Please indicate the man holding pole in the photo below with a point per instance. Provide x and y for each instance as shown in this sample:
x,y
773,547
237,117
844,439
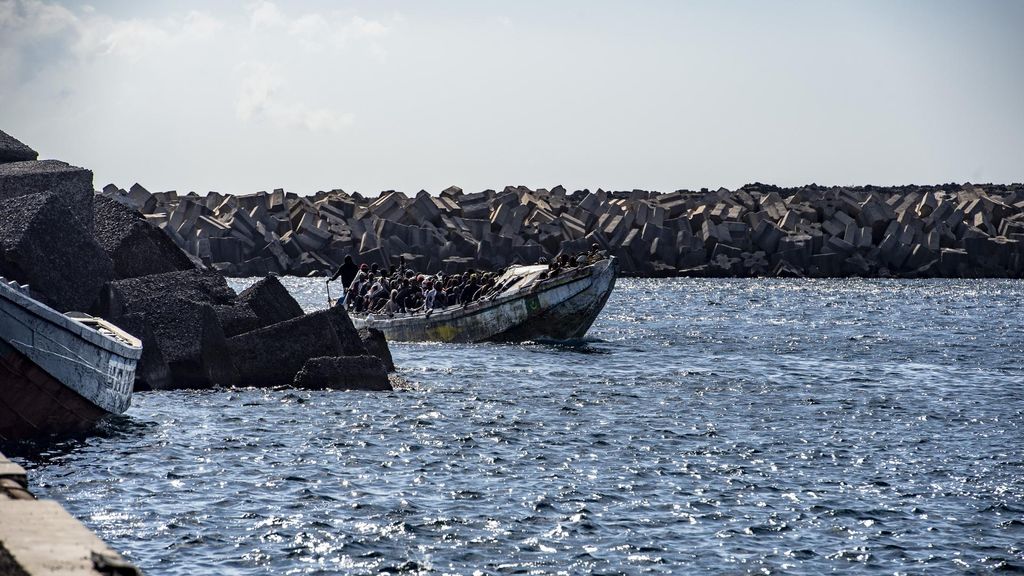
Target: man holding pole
x,y
347,271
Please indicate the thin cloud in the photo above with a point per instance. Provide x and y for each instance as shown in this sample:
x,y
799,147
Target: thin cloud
x,y
317,31
50,41
265,16
259,100
35,35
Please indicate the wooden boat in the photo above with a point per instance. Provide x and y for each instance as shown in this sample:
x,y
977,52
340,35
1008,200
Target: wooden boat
x,y
529,307
59,373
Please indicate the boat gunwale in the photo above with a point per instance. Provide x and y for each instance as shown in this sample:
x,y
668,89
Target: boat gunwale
x,y
72,326
454,312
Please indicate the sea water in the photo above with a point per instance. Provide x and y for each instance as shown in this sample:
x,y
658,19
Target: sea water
x,y
706,426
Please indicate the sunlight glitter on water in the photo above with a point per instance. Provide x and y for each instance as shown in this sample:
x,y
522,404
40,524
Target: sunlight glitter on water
x,y
705,426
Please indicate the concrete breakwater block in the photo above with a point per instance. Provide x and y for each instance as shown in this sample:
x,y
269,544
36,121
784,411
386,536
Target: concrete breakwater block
x,y
121,297
343,373
175,313
13,150
136,247
265,303
151,371
270,301
43,245
72,185
191,341
377,345
272,356
874,229
237,319
39,537
350,339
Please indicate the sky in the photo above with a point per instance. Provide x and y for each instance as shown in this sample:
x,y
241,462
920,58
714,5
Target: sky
x,y
660,95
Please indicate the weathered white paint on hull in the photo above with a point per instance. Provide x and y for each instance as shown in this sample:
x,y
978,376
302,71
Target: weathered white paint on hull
x,y
88,356
561,308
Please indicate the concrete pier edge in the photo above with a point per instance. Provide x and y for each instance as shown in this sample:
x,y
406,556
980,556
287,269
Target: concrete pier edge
x,y
39,537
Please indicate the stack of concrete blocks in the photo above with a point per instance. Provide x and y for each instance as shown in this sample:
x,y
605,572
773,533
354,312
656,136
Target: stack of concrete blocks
x,y
79,251
197,333
46,228
949,230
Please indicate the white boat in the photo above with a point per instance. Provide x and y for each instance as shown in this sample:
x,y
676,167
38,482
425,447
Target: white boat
x,y
561,307
59,373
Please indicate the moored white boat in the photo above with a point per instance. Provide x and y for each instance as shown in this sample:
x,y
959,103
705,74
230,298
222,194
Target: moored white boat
x,y
561,307
59,373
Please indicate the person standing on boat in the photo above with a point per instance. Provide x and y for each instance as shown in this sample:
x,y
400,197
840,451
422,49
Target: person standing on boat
x,y
430,296
347,271
469,290
377,294
352,293
392,306
357,289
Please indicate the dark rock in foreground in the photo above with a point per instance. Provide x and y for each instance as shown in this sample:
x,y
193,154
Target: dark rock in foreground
x,y
12,150
178,309
377,345
42,245
137,247
121,296
270,301
272,356
151,371
343,373
263,304
191,341
237,319
72,185
351,342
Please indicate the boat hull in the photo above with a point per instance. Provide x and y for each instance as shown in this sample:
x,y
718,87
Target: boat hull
x,y
59,373
33,403
563,308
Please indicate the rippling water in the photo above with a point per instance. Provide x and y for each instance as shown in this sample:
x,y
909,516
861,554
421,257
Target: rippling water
x,y
709,426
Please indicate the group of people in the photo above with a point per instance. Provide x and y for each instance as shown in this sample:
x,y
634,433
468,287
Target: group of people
x,y
369,288
403,290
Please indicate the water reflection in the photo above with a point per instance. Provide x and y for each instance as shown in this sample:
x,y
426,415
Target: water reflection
x,y
707,426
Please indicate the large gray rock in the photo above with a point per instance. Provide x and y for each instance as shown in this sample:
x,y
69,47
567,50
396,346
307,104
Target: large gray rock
x,y
12,150
343,373
41,244
179,308
71,184
272,356
151,371
136,247
121,296
270,301
190,339
351,343
377,345
263,304
237,319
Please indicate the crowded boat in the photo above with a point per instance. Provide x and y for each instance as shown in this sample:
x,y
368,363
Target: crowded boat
x,y
369,289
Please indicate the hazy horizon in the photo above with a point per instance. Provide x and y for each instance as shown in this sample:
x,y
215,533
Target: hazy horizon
x,y
660,95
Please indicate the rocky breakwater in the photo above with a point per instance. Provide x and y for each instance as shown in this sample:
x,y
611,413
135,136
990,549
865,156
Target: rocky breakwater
x,y
949,230
86,252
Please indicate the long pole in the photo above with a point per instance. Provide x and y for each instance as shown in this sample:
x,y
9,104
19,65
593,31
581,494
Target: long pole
x,y
329,303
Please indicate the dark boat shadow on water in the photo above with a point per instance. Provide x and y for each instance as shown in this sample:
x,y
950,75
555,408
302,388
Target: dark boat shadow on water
x,y
575,345
46,449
